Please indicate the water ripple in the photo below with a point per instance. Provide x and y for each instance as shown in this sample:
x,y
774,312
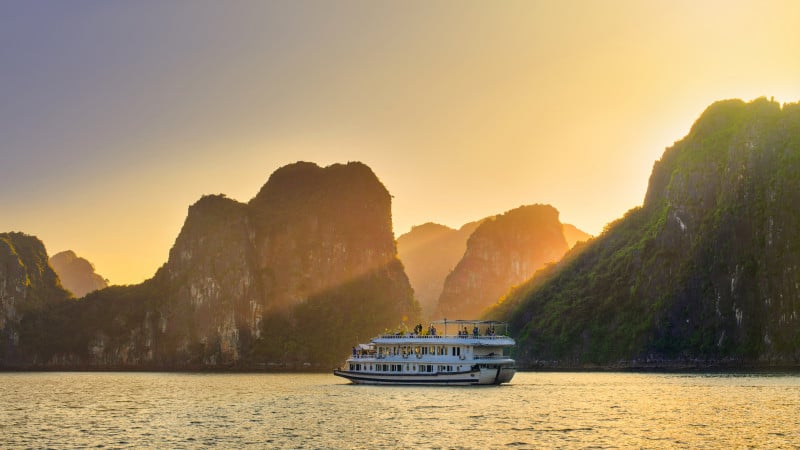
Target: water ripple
x,y
152,410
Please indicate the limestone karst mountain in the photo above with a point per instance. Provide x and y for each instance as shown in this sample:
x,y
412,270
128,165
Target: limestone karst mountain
x,y
503,251
429,252
28,286
288,280
706,272
77,274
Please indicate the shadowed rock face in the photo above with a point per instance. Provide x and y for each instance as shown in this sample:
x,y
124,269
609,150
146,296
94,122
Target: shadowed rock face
x,y
76,274
290,279
503,251
707,271
28,286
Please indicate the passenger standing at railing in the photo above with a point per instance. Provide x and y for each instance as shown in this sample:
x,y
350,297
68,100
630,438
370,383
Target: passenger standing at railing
x,y
475,331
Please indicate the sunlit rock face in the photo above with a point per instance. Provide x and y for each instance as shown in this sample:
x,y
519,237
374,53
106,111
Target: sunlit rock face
x,y
429,253
503,251
288,280
27,286
77,274
316,228
707,271
309,232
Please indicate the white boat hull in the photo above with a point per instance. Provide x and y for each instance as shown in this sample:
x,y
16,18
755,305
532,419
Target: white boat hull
x,y
482,376
434,359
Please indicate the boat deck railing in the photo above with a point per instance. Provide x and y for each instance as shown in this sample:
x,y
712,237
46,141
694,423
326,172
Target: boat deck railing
x,y
490,357
439,336
384,356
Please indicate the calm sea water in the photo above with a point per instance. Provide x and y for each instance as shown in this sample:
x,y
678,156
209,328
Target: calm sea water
x,y
537,410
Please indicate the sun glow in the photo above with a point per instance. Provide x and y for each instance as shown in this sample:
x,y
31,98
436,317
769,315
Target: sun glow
x,y
128,114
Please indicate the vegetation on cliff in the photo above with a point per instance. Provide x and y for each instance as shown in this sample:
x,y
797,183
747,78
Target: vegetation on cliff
x,y
706,271
28,287
290,280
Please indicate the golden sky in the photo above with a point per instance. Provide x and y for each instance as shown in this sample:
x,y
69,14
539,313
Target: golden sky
x,y
116,116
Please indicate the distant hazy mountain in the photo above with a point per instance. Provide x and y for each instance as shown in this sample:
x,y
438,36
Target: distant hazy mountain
x,y
291,279
429,252
706,272
503,251
77,274
573,235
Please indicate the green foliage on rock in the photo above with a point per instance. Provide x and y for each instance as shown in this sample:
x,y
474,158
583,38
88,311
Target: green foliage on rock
x,y
707,271
28,287
290,280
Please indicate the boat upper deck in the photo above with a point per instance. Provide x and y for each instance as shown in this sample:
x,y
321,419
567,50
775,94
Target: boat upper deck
x,y
455,332
498,341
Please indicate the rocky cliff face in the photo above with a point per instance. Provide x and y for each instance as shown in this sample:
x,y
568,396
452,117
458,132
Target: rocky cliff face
x,y
429,253
290,279
27,286
503,251
705,272
77,274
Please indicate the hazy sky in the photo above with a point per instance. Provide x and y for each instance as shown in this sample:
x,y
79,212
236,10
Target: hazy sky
x,y
116,116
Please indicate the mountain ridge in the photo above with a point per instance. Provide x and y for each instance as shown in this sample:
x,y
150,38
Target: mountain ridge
x,y
285,281
504,250
705,273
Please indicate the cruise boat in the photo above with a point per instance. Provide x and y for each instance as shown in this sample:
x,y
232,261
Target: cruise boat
x,y
449,352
